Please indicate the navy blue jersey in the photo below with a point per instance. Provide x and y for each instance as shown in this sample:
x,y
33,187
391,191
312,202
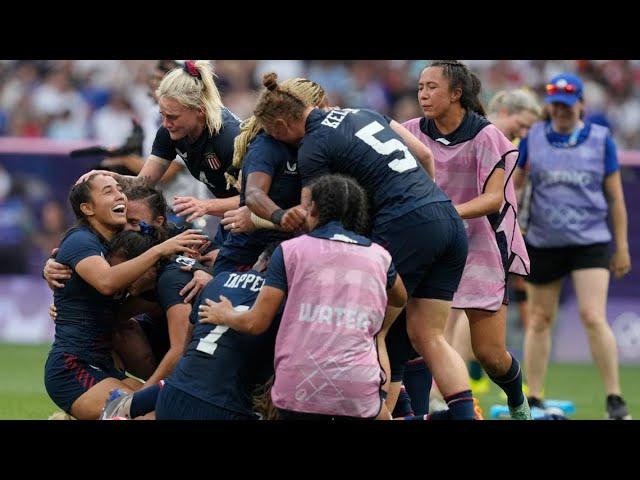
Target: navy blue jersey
x,y
171,280
85,316
360,143
222,366
278,160
208,157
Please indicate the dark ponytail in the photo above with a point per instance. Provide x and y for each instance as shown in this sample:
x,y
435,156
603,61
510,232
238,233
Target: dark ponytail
x,y
79,194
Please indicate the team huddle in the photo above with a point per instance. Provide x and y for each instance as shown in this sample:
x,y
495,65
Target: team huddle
x,y
348,243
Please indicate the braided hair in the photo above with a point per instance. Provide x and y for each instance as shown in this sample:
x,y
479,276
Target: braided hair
x,y
341,198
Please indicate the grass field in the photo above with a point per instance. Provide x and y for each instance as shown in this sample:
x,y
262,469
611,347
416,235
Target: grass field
x,y
23,396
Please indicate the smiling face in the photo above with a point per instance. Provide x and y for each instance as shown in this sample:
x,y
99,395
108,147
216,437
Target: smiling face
x,y
107,204
434,95
565,117
179,120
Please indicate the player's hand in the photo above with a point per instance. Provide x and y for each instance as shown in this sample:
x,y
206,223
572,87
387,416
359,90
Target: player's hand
x,y
197,283
215,312
208,259
53,312
294,219
620,263
191,206
84,177
238,220
187,242
55,273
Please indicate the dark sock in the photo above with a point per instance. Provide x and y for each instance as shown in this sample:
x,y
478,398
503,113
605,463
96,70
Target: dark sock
x,y
461,405
511,383
440,415
418,380
417,417
144,401
535,402
403,405
475,370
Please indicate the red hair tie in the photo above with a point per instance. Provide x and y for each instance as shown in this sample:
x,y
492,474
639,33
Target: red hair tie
x,y
190,68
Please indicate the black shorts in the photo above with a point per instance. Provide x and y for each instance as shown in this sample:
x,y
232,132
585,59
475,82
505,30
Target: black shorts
x,y
550,264
429,249
67,377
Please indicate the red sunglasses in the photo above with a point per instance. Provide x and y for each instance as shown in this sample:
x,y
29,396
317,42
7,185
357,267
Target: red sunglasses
x,y
553,89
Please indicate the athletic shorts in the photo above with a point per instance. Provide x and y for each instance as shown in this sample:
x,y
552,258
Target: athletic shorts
x,y
67,377
175,404
550,264
429,249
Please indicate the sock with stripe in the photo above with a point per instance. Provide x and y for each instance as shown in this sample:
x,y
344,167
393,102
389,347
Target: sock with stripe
x,y
511,383
461,405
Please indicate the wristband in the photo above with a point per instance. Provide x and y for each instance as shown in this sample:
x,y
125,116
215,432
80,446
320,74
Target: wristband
x,y
276,217
261,223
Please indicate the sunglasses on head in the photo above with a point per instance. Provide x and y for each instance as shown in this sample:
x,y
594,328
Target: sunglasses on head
x,y
553,89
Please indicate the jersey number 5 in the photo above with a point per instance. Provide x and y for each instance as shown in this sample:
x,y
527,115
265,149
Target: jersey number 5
x,y
407,162
209,344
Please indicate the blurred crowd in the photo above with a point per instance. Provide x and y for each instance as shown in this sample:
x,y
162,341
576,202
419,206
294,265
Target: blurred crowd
x,y
97,99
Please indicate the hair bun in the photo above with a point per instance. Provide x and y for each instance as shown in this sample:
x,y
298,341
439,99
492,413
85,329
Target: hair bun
x,y
270,81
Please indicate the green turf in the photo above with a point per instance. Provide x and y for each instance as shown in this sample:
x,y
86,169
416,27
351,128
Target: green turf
x,y
23,396
581,384
22,392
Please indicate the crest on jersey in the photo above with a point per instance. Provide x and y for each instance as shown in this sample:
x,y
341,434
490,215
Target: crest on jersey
x,y
186,261
292,168
213,161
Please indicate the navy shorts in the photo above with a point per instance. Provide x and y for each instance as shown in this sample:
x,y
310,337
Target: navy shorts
x,y
175,404
226,264
67,377
429,249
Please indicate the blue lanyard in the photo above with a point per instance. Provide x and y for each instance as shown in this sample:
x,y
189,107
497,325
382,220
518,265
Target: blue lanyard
x,y
573,138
